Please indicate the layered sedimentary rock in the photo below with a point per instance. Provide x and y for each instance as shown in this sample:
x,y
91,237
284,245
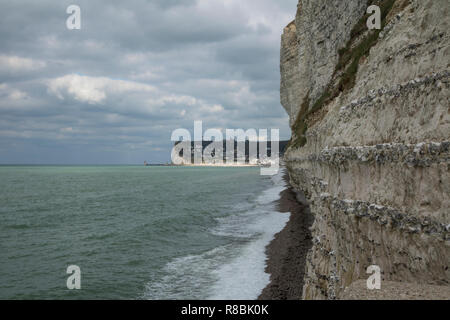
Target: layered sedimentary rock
x,y
309,49
374,151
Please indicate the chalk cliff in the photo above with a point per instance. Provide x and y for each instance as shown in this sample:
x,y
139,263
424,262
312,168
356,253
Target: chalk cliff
x,y
370,148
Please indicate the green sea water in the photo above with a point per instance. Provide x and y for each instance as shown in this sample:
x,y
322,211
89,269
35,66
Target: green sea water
x,y
135,232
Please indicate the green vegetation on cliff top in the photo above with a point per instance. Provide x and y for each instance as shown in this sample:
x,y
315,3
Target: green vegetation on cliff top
x,y
348,63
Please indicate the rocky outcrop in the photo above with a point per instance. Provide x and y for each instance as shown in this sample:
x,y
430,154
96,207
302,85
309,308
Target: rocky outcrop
x,y
374,157
291,89
309,49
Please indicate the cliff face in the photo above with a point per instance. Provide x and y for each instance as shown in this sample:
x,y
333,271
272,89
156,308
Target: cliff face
x,y
370,116
309,50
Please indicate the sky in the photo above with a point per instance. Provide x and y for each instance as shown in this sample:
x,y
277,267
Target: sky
x,y
113,91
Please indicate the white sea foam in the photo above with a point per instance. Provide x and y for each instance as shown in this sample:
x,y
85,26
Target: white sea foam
x,y
270,195
188,277
273,194
244,277
234,271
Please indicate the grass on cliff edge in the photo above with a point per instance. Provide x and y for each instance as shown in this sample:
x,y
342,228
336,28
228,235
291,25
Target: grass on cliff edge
x,y
349,58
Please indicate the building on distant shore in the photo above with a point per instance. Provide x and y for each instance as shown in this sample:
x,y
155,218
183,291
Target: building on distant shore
x,y
261,158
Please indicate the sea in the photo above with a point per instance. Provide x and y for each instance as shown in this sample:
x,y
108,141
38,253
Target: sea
x,y
136,232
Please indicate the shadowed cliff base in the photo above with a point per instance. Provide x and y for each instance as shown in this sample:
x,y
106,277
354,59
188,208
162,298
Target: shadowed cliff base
x,y
288,251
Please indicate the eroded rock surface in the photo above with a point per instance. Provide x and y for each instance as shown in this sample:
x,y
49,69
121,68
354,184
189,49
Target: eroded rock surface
x,y
376,163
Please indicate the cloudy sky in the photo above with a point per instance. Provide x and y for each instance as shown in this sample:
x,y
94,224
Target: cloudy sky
x,y
113,92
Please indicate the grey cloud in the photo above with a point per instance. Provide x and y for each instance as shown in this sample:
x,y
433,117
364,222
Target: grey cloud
x,y
215,61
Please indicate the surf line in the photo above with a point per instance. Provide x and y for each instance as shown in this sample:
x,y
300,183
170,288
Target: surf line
x,y
193,310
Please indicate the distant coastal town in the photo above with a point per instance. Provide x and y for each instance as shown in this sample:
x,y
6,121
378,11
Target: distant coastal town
x,y
242,156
